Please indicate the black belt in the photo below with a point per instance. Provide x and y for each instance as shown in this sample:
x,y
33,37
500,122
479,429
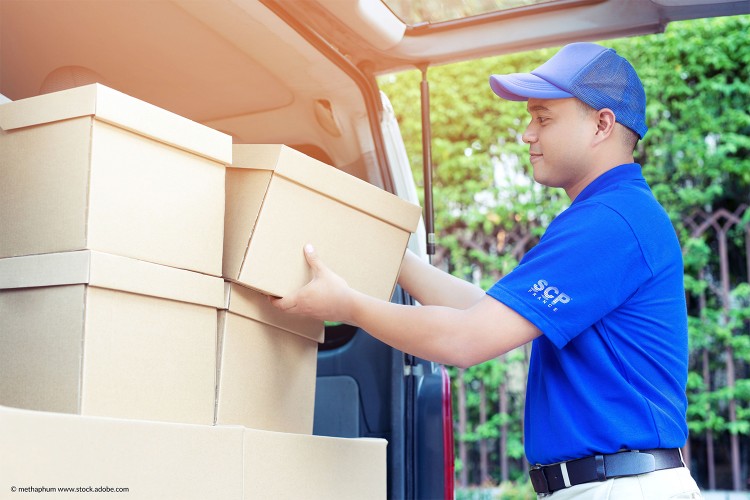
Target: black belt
x,y
549,478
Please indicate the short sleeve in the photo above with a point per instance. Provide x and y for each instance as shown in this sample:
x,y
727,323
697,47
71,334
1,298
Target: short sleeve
x,y
587,263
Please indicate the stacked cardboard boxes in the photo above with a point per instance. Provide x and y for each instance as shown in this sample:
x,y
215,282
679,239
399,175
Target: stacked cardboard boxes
x,y
110,261
133,334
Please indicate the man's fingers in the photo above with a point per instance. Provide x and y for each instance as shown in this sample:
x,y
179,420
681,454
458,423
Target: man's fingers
x,y
283,303
312,258
290,302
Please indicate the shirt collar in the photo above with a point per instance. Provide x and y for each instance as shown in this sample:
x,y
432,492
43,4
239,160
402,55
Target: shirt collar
x,y
625,172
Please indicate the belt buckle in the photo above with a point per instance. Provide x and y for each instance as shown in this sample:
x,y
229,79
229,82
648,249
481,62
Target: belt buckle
x,y
629,463
538,479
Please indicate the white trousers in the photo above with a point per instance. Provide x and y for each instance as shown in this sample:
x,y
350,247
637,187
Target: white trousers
x,y
664,484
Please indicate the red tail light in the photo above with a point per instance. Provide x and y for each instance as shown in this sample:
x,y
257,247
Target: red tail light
x,y
448,454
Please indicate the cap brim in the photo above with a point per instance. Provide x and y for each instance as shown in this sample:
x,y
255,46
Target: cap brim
x,y
522,86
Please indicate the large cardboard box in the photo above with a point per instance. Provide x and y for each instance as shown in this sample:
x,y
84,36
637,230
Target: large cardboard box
x,y
279,199
155,460
98,334
267,364
131,459
92,168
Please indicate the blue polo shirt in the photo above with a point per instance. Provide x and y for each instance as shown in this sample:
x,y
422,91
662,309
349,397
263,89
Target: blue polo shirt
x,y
605,287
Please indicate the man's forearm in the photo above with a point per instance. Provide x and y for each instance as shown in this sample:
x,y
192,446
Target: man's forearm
x,y
416,330
458,337
431,286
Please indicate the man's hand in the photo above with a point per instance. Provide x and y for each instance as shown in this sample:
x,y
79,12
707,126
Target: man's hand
x,y
326,297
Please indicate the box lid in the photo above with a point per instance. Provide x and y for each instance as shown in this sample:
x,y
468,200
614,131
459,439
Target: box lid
x,y
254,305
329,181
114,272
122,110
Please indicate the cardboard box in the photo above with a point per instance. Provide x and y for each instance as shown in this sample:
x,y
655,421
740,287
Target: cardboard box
x,y
92,168
279,199
155,460
98,334
267,364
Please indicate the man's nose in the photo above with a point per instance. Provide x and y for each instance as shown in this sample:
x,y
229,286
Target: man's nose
x,y
529,135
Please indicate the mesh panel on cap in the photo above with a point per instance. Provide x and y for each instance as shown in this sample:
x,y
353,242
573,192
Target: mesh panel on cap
x,y
610,82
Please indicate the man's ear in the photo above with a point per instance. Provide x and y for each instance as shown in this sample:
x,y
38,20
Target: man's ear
x,y
605,123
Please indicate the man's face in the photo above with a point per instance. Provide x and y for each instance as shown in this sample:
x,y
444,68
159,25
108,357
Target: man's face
x,y
559,138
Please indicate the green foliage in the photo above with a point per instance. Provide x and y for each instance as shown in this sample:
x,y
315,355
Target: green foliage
x,y
516,490
698,85
475,494
696,157
520,490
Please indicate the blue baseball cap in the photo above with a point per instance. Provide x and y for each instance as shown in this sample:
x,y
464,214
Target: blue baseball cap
x,y
589,72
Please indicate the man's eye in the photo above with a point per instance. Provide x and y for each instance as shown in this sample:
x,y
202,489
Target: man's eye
x,y
541,119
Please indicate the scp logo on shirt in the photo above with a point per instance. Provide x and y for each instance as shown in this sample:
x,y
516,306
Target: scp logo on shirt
x,y
551,296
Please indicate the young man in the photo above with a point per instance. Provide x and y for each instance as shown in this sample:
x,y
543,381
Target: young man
x,y
601,296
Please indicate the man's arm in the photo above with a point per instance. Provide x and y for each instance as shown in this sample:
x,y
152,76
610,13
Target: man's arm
x,y
431,286
454,336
